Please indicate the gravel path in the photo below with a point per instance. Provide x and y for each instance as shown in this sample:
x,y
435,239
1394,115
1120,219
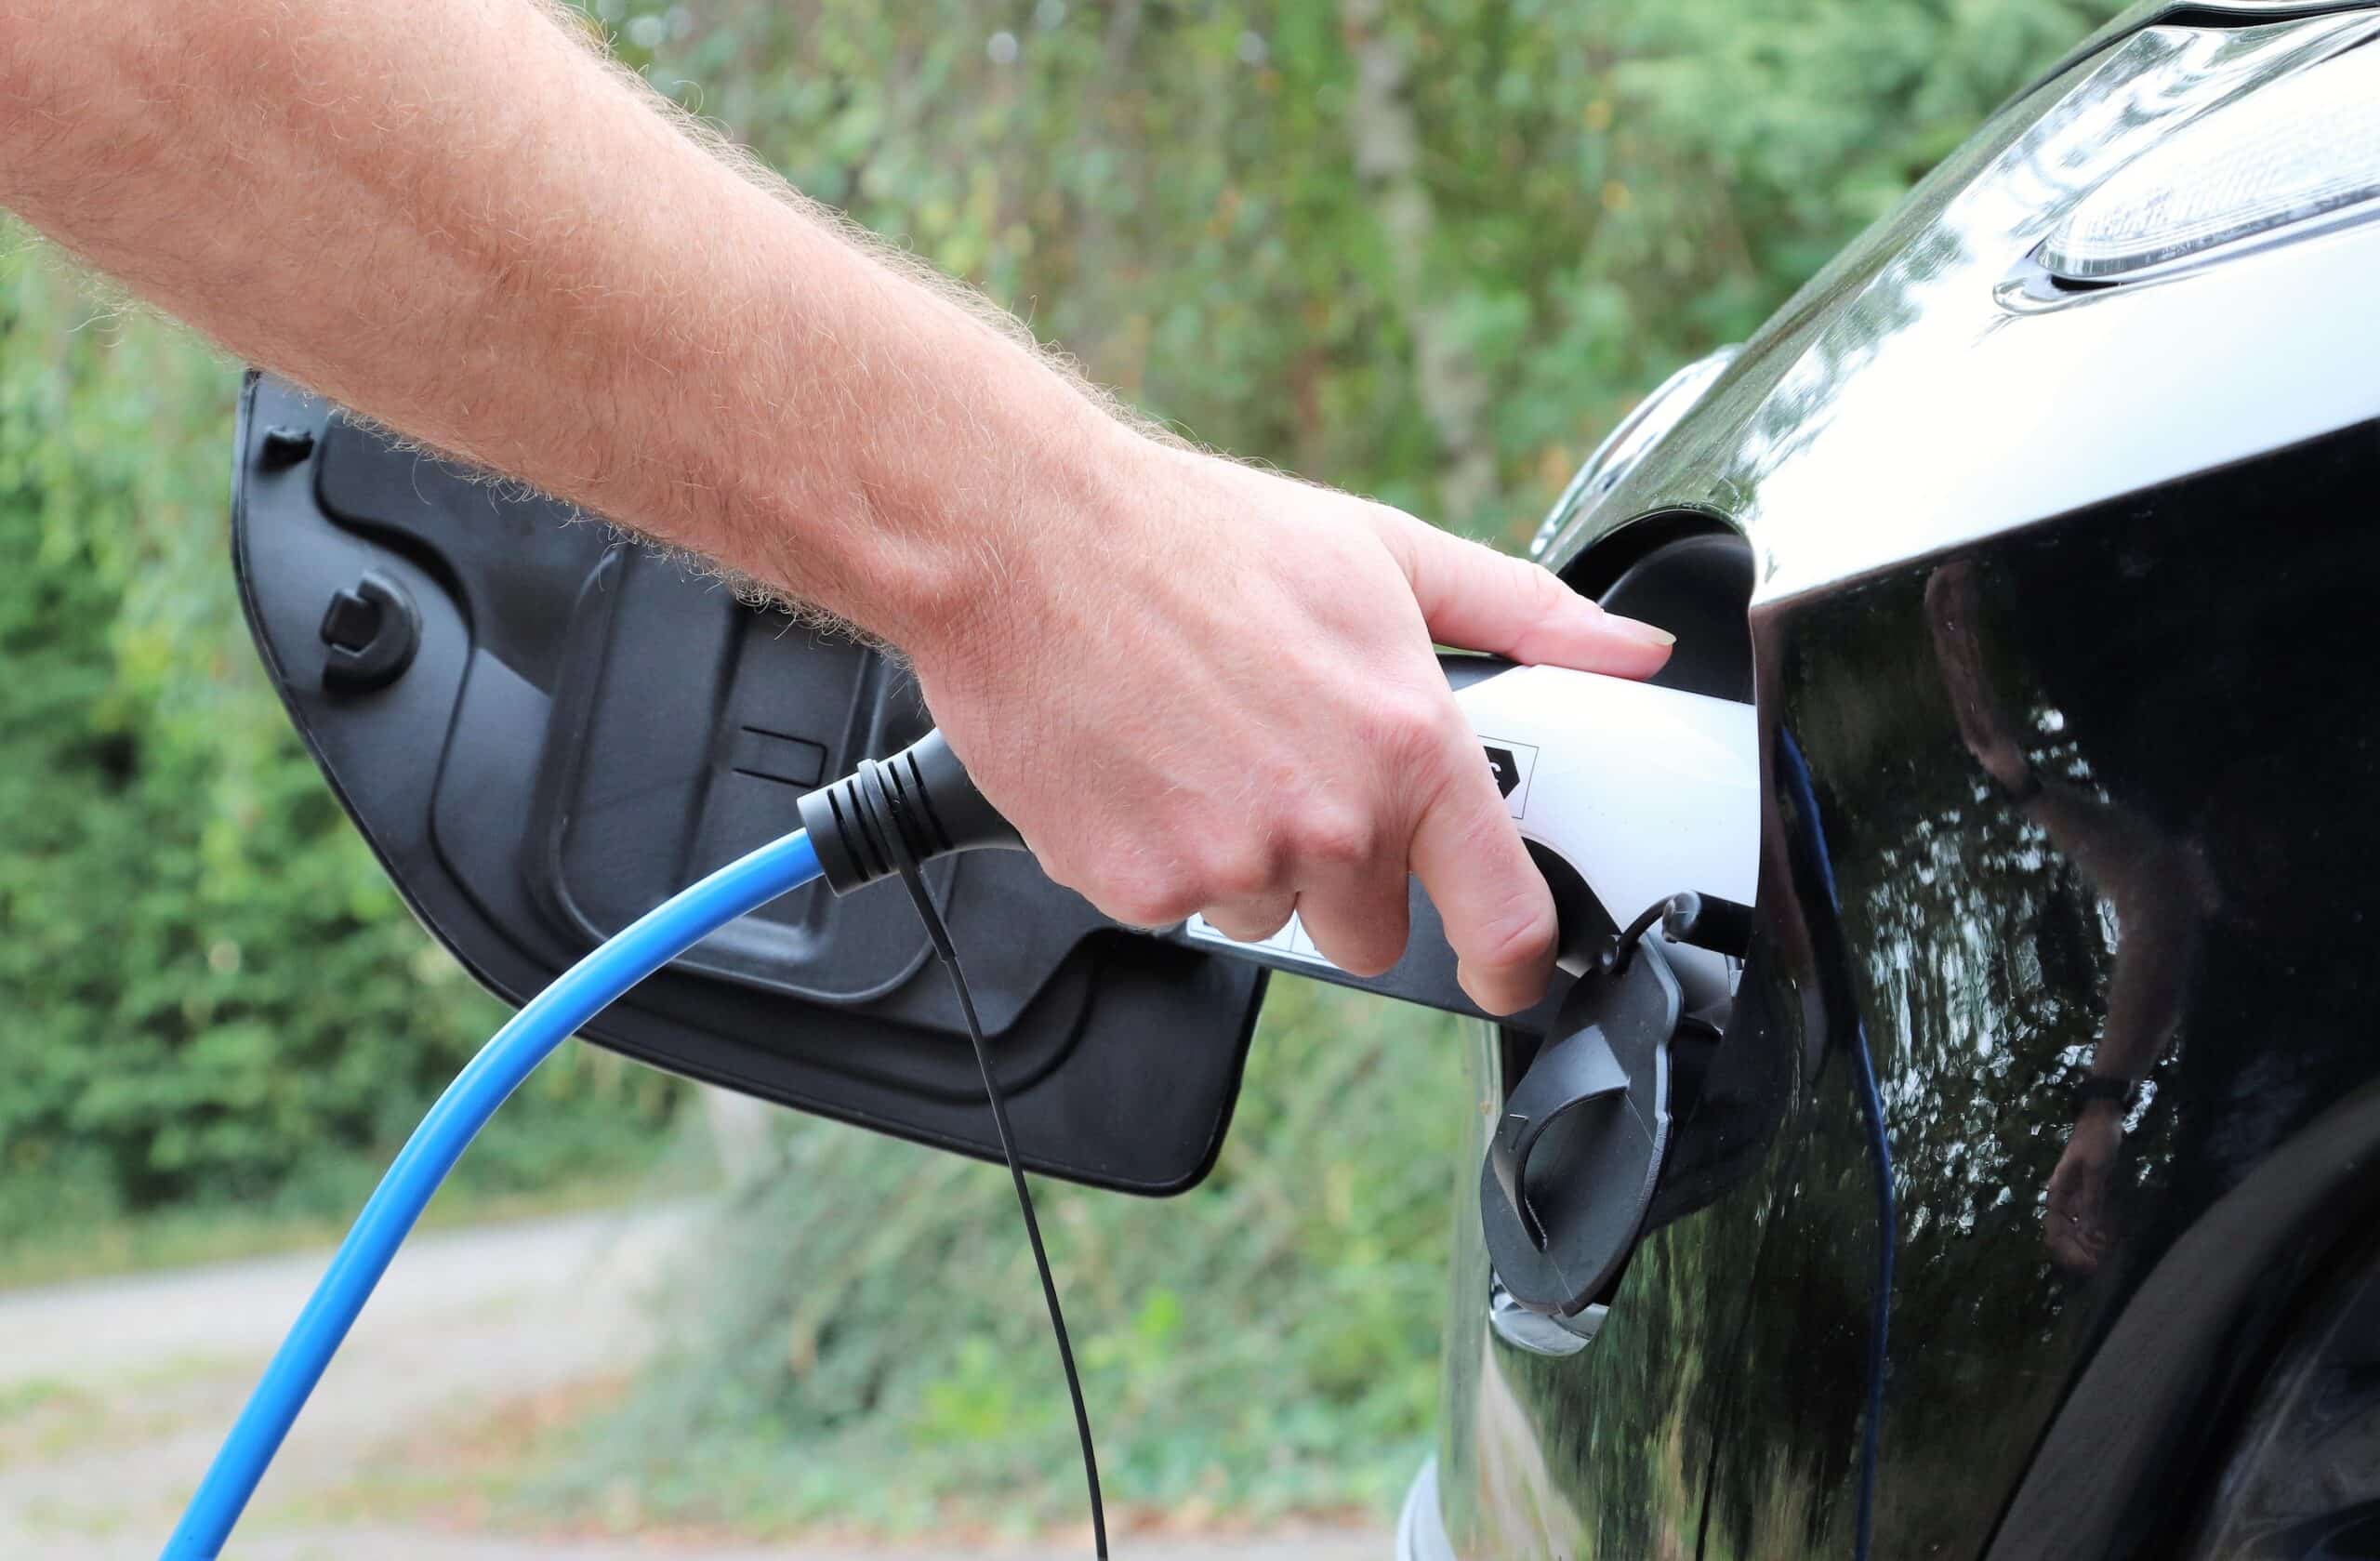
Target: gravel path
x,y
113,1394
384,1546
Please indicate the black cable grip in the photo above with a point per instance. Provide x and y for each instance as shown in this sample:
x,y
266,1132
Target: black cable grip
x,y
918,805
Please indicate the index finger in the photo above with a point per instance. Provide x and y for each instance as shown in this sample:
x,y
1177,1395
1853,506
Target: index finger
x,y
1478,599
1498,912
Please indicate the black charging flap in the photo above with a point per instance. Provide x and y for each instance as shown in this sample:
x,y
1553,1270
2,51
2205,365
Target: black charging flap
x,y
543,732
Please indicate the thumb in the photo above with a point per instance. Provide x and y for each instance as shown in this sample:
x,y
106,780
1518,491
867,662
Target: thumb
x,y
1477,599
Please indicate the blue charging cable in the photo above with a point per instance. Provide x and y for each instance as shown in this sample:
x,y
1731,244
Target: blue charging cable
x,y
582,992
1794,772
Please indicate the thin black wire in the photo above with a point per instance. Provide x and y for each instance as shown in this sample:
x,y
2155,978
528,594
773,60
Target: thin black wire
x,y
1625,948
940,934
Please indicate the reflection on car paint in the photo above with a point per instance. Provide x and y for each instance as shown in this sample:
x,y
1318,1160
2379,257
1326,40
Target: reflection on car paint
x,y
2084,693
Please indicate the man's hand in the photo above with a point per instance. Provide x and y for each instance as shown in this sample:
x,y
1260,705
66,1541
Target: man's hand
x,y
2076,1225
1217,694
1190,684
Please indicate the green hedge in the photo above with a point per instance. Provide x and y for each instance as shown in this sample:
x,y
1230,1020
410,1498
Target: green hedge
x,y
212,995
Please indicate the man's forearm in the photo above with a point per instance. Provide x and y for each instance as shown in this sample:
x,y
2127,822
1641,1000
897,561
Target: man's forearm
x,y
453,216
470,227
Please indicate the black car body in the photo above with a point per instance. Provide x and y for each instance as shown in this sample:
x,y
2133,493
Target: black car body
x,y
2059,602
2049,567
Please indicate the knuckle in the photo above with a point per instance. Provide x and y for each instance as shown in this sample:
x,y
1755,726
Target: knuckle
x,y
1407,727
1145,901
1063,869
1238,872
1514,939
1336,837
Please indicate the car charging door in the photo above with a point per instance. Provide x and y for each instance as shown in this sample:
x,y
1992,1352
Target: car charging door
x,y
543,729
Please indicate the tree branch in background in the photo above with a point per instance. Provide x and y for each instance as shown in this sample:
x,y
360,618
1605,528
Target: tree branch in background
x,y
1388,159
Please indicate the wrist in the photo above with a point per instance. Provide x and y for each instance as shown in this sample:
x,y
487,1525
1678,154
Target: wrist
x,y
2104,1095
1003,550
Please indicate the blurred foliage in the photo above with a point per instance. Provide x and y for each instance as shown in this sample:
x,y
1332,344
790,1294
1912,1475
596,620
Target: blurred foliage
x,y
1208,204
213,997
1430,250
871,1342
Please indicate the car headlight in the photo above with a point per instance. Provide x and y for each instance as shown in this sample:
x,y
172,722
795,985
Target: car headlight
x,y
2293,157
1626,445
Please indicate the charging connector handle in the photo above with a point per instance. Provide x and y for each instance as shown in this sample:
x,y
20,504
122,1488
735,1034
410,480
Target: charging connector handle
x,y
923,798
919,805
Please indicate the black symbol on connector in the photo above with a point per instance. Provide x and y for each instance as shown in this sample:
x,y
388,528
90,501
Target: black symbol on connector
x,y
1507,768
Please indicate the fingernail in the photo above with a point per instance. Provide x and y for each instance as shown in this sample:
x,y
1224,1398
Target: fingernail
x,y
1643,633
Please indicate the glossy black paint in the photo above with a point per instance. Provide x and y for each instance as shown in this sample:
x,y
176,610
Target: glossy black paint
x,y
2190,883
2067,610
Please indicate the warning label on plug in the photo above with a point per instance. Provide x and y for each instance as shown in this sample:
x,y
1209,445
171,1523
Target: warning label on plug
x,y
1514,764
